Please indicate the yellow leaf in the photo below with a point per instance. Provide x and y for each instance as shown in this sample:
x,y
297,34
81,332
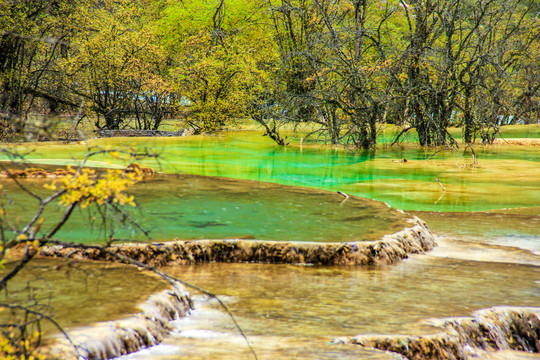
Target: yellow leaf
x,y
51,186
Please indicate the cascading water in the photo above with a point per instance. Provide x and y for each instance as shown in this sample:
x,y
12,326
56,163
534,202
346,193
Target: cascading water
x,y
106,340
292,311
466,338
487,259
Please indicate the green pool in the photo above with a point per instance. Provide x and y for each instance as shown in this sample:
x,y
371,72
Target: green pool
x,y
503,178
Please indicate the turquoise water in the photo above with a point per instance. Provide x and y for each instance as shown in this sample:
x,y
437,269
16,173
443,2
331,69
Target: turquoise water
x,y
484,259
512,173
198,207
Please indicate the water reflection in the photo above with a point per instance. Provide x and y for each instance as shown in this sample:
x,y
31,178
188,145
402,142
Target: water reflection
x,y
292,312
511,173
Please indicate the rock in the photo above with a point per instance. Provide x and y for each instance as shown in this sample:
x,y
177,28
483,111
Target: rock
x,y
141,133
115,338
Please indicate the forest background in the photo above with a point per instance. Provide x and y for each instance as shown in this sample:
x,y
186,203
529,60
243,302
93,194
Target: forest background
x,y
345,67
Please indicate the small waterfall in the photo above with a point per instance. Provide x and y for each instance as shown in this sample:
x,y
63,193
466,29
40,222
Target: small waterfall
x,y
488,330
119,337
499,328
388,250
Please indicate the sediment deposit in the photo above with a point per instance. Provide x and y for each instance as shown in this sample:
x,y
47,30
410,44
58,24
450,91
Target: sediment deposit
x,y
388,250
488,330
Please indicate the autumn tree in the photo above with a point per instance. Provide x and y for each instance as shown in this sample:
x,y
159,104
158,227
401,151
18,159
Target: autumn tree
x,y
221,58
106,191
458,60
34,36
335,66
498,86
118,66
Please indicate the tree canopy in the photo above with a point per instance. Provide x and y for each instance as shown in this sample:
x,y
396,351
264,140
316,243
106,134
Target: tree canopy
x,y
344,66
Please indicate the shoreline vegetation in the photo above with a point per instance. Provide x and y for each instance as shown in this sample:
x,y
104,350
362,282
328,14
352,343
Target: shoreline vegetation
x,y
66,129
342,67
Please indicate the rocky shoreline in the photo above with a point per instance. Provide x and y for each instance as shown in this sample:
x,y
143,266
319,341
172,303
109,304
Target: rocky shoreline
x,y
487,331
114,338
388,250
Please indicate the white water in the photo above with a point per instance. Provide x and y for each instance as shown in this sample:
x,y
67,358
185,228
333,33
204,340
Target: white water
x,y
295,312
209,334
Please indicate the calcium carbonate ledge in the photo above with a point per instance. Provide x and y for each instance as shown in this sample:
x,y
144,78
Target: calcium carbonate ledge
x,y
390,249
110,339
488,331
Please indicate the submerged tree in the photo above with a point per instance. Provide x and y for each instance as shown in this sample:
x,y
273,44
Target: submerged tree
x,y
344,67
350,65
334,66
457,63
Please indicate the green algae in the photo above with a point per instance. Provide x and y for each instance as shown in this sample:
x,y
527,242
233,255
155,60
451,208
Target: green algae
x,y
292,303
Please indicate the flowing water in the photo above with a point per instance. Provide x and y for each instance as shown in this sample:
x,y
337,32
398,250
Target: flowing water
x,y
78,293
295,311
484,258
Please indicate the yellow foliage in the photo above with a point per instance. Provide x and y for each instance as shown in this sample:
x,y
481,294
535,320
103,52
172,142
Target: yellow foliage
x,y
51,186
14,349
35,245
85,188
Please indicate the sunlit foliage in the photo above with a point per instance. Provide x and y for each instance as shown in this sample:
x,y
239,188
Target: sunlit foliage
x,y
222,58
343,66
85,188
13,347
